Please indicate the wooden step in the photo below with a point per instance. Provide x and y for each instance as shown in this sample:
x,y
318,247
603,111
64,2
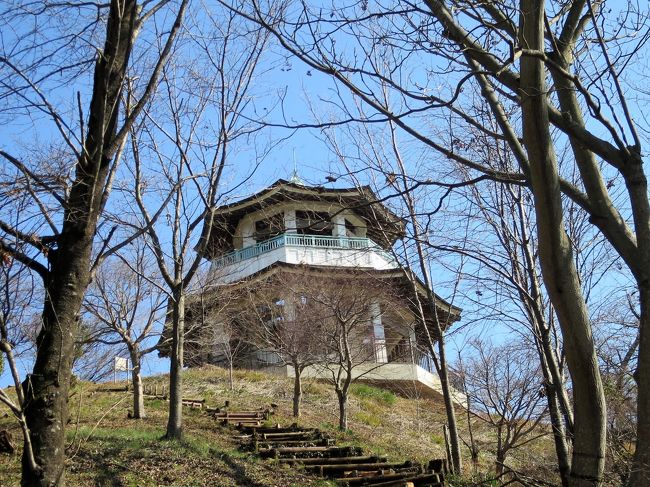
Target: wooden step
x,y
424,480
312,442
239,415
288,434
333,460
310,451
399,478
238,423
350,467
276,429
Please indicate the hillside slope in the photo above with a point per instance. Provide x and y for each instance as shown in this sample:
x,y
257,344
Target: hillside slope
x,y
107,448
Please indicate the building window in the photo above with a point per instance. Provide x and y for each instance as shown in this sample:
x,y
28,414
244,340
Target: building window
x,y
313,223
350,229
269,228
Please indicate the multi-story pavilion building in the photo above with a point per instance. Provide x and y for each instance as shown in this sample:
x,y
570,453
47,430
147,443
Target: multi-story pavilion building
x,y
303,241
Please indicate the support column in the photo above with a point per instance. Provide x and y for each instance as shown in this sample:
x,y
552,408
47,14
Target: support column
x,y
338,226
290,221
247,232
378,331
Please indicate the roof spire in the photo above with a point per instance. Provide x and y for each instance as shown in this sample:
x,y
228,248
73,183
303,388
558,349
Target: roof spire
x,y
295,178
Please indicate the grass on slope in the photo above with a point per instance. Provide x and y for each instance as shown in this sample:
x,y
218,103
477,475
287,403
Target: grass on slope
x,y
106,448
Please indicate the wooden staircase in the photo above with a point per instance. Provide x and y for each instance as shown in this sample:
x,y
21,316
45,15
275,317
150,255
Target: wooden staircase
x,y
314,451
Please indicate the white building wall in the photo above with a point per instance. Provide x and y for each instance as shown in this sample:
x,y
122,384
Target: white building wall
x,y
362,258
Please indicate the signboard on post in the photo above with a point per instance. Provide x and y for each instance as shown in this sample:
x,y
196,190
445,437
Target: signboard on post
x,y
121,364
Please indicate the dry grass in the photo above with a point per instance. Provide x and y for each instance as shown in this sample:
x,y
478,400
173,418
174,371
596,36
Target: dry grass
x,y
107,448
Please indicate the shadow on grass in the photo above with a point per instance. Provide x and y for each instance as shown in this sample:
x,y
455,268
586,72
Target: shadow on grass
x,y
112,457
239,473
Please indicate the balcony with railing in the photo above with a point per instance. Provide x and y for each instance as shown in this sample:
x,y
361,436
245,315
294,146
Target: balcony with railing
x,y
299,248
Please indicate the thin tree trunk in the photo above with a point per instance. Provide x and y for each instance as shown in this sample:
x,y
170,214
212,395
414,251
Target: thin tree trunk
x,y
297,390
449,405
441,365
541,330
556,257
637,186
640,475
138,396
559,433
500,462
175,420
343,410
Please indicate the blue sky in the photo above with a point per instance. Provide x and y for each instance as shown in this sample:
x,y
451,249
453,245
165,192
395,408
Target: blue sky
x,y
302,90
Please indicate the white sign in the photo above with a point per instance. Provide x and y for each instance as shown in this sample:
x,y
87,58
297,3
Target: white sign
x,y
121,364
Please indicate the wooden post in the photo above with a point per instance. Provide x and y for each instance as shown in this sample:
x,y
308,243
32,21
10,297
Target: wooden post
x,y
127,374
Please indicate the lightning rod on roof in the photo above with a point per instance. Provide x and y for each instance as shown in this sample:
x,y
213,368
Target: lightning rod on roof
x,y
294,176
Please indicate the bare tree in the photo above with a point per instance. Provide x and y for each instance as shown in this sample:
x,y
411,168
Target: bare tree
x,y
506,391
221,335
208,96
16,307
93,361
385,159
347,307
67,42
126,308
288,324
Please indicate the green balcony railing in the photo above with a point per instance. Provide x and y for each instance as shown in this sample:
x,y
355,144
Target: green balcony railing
x,y
299,240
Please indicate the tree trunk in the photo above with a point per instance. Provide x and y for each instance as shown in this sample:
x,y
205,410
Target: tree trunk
x,y
558,402
441,366
500,462
559,431
231,375
640,476
47,388
556,258
175,420
343,410
454,443
138,396
297,390
637,186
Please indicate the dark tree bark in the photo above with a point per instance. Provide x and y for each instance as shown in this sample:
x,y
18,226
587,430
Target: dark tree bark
x,y
47,388
343,409
297,389
175,419
69,252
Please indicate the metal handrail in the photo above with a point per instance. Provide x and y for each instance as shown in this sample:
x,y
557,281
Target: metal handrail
x,y
403,351
298,240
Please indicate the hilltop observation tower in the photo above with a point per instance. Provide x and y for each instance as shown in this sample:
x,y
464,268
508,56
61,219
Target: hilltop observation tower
x,y
275,252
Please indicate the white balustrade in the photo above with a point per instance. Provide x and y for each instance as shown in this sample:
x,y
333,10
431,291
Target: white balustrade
x,y
299,240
